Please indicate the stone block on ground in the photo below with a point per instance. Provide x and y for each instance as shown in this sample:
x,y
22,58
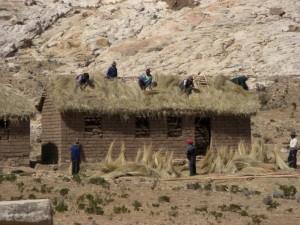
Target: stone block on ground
x,y
26,212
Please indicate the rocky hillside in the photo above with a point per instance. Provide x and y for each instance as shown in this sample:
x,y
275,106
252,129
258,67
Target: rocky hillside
x,y
209,37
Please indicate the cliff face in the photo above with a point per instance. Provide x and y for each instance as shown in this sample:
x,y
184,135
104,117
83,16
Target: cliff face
x,y
42,38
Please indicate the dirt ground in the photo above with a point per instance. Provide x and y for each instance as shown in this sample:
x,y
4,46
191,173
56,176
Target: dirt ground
x,y
201,199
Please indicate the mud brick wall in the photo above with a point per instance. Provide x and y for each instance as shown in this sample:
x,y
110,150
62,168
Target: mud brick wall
x,y
51,132
228,131
15,144
95,145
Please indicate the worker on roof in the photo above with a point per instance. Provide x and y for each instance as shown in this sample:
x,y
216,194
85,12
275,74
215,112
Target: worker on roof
x,y
187,85
241,80
112,71
191,156
83,80
145,80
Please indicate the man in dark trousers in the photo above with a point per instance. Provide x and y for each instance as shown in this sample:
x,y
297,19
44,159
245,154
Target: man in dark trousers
x,y
292,158
112,71
187,85
75,157
241,80
191,155
83,80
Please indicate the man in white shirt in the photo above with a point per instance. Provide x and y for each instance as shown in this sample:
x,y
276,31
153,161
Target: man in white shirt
x,y
292,159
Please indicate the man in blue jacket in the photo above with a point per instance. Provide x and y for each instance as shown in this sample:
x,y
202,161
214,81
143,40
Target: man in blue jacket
x,y
241,80
112,71
145,80
75,157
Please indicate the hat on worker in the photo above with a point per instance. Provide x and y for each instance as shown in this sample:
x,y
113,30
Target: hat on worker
x,y
190,141
293,133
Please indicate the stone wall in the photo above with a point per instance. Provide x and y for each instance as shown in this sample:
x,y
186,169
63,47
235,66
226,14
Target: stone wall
x,y
96,144
15,144
228,131
51,133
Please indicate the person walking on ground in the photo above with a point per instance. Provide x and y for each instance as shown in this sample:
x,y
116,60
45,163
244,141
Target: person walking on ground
x,y
83,80
191,155
187,85
292,158
112,71
75,157
145,80
241,80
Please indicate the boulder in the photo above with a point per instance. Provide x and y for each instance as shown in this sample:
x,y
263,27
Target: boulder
x,y
277,11
26,212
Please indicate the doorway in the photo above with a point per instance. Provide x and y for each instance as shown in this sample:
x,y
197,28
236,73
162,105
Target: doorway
x,y
202,135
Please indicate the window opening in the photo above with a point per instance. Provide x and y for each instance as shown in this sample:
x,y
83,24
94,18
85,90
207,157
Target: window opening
x,y
202,135
174,126
93,125
4,129
142,127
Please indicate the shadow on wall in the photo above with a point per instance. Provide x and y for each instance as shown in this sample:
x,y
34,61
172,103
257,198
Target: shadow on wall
x,y
49,153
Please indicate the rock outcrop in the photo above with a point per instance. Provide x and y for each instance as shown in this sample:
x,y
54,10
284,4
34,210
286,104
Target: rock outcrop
x,y
26,212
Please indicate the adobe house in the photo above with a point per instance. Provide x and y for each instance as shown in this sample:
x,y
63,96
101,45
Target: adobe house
x,y
164,117
15,113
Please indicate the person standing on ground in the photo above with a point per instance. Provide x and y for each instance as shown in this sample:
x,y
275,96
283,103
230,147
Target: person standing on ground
x,y
241,80
292,158
75,157
112,71
191,155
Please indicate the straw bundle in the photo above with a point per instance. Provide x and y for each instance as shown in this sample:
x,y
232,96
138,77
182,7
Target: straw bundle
x,y
256,160
147,163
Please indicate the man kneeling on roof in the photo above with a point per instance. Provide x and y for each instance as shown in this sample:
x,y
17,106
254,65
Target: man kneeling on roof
x,y
187,85
241,80
145,80
83,80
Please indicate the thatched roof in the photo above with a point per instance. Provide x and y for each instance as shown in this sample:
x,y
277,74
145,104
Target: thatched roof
x,y
14,105
114,97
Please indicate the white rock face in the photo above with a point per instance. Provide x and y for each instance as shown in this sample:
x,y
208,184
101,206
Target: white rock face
x,y
26,212
217,37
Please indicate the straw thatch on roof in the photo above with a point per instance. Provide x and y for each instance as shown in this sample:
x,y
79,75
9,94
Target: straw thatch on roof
x,y
112,97
14,105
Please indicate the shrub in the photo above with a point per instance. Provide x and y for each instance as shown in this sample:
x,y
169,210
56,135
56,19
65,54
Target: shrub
x,y
76,178
208,187
37,180
121,209
217,215
61,207
64,191
8,177
201,209
163,198
155,205
244,213
256,219
137,205
193,186
99,181
45,189
288,191
221,188
81,206
32,196
235,189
